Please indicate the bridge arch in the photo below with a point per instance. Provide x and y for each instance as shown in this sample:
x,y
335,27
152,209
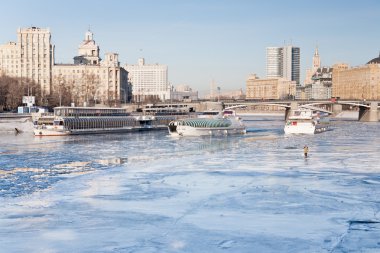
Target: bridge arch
x,y
368,111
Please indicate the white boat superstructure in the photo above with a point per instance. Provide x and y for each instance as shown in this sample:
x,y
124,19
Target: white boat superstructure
x,y
304,121
84,120
223,123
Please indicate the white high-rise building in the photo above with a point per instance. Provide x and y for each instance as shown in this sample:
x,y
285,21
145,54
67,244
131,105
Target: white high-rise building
x,y
274,62
283,62
291,63
37,56
148,81
31,57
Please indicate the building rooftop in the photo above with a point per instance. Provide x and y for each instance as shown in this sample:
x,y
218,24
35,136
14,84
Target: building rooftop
x,y
375,60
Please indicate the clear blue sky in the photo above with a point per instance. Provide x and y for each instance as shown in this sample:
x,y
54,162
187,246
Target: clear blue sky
x,y
202,40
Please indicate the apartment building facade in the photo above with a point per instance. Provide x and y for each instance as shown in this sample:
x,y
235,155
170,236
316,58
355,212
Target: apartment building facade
x,y
148,81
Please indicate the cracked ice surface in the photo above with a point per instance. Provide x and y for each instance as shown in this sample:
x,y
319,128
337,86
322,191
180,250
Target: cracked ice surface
x,y
152,193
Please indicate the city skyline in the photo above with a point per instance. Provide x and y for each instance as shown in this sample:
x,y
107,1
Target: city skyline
x,y
201,41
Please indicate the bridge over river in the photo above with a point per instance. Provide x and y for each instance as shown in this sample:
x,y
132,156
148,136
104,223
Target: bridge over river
x,y
369,111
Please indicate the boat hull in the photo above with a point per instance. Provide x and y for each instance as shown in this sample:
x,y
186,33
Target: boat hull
x,y
193,131
305,128
52,132
116,130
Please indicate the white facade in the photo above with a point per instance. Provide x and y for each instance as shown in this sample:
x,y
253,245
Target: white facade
x,y
92,80
321,85
291,63
274,62
317,90
89,78
148,80
183,93
92,84
88,51
10,59
272,88
283,62
31,57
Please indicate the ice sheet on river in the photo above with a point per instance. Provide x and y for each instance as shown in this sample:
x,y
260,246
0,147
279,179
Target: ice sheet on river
x,y
152,193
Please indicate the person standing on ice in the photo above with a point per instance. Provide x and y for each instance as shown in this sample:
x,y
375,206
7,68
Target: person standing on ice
x,y
305,150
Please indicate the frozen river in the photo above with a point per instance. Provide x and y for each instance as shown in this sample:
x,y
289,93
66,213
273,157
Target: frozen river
x,y
153,193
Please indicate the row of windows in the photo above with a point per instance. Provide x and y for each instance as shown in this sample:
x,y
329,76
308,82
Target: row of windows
x,y
8,52
9,61
22,61
83,71
77,71
34,48
15,55
22,66
33,55
76,76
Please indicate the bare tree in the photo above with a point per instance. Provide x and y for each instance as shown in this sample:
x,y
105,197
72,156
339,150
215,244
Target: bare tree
x,y
92,86
61,92
75,90
4,86
13,89
88,88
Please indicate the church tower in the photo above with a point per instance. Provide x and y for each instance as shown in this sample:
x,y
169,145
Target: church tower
x,y
316,60
316,65
88,51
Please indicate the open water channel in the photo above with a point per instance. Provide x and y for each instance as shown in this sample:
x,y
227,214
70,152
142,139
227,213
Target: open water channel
x,y
150,192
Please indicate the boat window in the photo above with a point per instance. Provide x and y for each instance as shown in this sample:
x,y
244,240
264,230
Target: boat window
x,y
58,123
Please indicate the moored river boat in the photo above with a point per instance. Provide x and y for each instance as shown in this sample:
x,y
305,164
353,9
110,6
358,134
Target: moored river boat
x,y
304,121
88,120
222,123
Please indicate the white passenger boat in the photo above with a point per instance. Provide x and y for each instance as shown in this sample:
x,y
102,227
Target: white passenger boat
x,y
304,121
223,123
90,120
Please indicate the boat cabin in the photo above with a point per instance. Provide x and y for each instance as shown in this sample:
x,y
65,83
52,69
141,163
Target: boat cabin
x,y
302,114
88,111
